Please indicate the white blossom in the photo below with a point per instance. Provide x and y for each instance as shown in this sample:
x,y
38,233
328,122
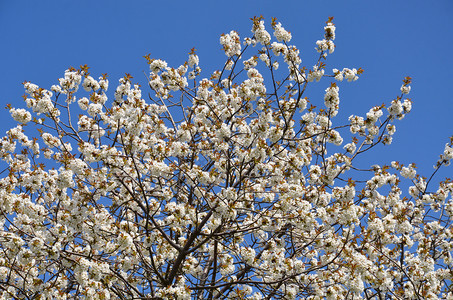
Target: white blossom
x,y
21,115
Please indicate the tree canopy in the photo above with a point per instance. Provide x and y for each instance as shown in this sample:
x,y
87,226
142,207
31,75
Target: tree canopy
x,y
235,186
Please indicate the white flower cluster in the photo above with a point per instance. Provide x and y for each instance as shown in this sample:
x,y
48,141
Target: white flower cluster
x,y
50,140
446,157
157,65
20,115
281,34
332,98
349,74
193,63
40,100
291,57
193,60
279,48
231,43
90,84
250,63
71,81
408,172
315,74
261,35
327,43
398,109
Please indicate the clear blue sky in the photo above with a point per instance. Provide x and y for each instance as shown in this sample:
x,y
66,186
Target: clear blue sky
x,y
389,39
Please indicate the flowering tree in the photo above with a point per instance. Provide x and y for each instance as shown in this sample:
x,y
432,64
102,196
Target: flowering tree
x,y
232,187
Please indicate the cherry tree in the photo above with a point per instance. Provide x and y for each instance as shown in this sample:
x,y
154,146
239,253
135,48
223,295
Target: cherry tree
x,y
236,186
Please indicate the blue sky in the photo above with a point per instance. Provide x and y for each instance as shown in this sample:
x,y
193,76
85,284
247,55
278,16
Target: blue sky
x,y
388,39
